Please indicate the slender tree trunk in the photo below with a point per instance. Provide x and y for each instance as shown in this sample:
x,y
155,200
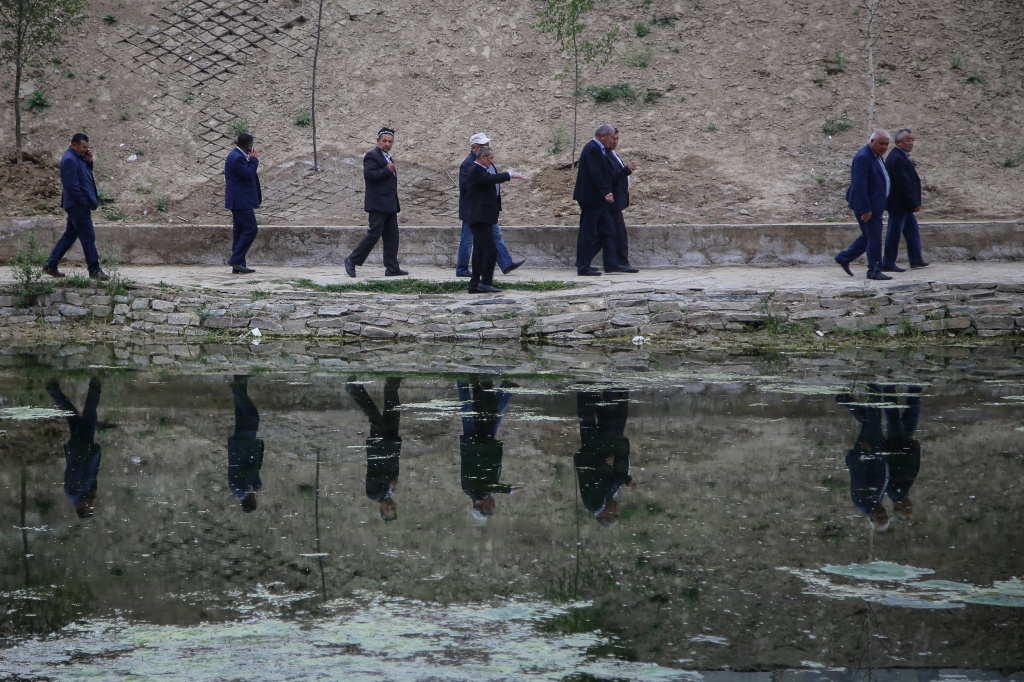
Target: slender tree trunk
x,y
17,109
575,95
871,6
312,104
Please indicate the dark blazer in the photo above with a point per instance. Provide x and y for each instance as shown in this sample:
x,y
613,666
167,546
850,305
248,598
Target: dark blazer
x,y
594,176
79,185
905,194
241,182
483,201
866,193
620,183
463,175
381,184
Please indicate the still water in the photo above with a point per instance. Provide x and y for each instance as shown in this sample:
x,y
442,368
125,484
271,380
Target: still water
x,y
666,518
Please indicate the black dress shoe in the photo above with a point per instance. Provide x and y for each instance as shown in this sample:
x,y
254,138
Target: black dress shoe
x,y
241,270
487,289
395,273
589,272
918,266
894,268
515,264
623,268
350,267
845,266
53,272
879,275
463,274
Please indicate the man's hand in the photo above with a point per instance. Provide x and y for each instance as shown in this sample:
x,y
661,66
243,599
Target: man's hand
x,y
631,166
254,153
866,217
518,176
609,197
391,167
916,209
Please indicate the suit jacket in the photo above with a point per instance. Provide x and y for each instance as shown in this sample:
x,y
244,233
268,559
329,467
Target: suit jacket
x,y
620,182
463,175
241,182
381,194
483,201
905,194
78,182
593,177
867,191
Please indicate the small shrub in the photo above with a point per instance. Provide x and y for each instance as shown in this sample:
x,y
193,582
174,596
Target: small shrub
x,y
956,62
1015,160
653,96
189,98
836,63
104,197
109,19
640,59
664,21
303,118
37,101
641,28
239,126
610,93
881,80
821,180
27,268
161,204
125,116
559,138
973,78
832,126
712,128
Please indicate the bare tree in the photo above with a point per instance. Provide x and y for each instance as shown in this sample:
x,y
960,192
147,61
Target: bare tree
x,y
312,105
565,19
27,28
871,6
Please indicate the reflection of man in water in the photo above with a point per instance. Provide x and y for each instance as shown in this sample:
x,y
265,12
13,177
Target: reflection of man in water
x,y
245,450
602,464
479,447
81,452
384,446
881,465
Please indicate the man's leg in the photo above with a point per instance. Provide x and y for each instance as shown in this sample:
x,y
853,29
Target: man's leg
x,y
484,254
893,233
504,258
621,238
63,245
856,249
245,229
389,236
465,251
587,236
873,237
370,239
606,241
913,234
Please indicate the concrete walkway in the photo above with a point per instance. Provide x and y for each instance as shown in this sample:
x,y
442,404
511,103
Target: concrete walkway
x,y
821,279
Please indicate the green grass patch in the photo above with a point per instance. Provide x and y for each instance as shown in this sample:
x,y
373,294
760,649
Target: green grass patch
x,y
422,286
610,93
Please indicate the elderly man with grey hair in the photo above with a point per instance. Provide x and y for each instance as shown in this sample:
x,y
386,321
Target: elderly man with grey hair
x,y
594,193
904,203
867,197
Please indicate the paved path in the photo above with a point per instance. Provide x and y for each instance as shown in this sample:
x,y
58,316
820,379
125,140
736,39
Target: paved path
x,y
762,279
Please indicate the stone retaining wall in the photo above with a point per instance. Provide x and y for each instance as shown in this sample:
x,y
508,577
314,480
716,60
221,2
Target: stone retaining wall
x,y
984,309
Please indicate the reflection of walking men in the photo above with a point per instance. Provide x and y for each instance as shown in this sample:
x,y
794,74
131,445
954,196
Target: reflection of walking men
x,y
380,202
242,195
479,448
602,464
81,453
245,450
78,199
867,196
904,203
384,446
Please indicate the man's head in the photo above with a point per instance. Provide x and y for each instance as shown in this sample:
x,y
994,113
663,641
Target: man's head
x,y
385,139
879,142
245,141
80,143
609,516
485,156
477,141
388,509
879,519
86,507
905,139
613,145
604,133
904,509
486,506
249,502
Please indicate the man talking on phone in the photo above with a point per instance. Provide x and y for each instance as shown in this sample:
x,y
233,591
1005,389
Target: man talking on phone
x,y
242,196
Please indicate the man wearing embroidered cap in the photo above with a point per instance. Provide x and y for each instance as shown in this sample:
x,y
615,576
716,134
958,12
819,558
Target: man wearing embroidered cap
x,y
381,203
465,251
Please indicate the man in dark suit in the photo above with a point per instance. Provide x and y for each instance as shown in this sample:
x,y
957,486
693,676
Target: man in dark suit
x,y
620,189
82,453
462,256
479,448
380,201
594,193
245,449
242,196
867,197
384,445
79,200
602,463
483,204
904,202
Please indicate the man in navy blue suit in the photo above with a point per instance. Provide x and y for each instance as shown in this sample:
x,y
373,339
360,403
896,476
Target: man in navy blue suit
x,y
380,201
594,193
867,197
242,195
904,202
79,200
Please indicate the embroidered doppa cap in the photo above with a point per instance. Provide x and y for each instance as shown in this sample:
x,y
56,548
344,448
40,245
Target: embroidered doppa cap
x,y
385,131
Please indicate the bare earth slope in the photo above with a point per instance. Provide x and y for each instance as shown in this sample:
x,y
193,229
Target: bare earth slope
x,y
733,131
